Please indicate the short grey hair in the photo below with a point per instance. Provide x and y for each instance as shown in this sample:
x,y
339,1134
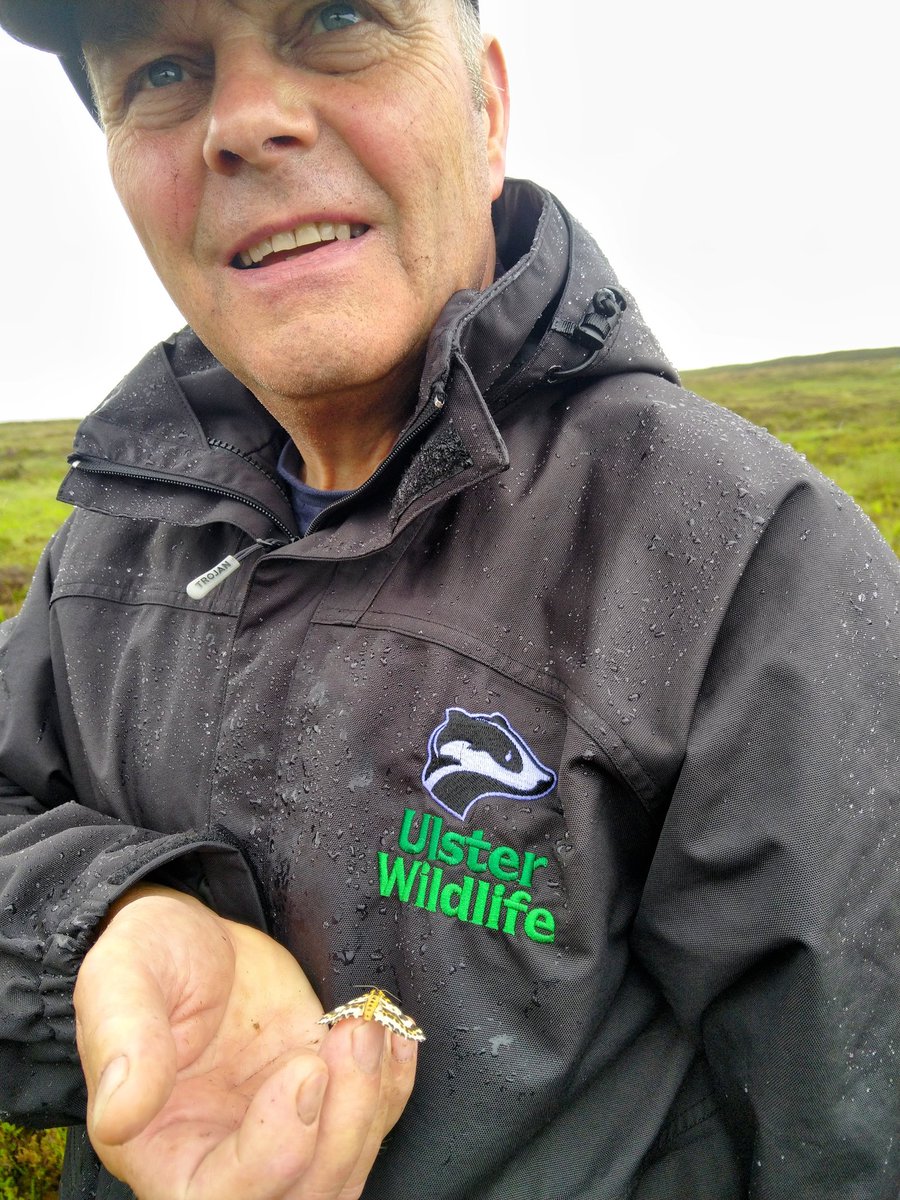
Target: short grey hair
x,y
469,27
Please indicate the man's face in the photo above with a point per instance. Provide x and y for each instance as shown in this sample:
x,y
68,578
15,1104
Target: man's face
x,y
238,126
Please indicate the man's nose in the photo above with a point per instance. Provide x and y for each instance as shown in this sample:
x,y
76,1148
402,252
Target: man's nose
x,y
259,110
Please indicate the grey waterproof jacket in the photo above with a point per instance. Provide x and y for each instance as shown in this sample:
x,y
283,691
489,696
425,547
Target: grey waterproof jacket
x,y
576,728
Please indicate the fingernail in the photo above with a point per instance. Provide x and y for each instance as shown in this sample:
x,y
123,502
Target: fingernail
x,y
368,1046
114,1075
402,1048
310,1097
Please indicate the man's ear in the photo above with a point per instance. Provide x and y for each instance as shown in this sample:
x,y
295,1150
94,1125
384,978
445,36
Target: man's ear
x,y
496,111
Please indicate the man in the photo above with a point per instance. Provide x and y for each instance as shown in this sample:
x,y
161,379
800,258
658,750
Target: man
x,y
414,629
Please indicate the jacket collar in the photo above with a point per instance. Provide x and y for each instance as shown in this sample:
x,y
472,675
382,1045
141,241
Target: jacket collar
x,y
512,336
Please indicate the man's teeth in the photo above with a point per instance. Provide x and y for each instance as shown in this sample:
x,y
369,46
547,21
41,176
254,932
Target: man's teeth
x,y
303,235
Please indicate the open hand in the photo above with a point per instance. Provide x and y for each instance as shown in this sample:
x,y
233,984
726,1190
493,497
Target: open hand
x,y
208,1077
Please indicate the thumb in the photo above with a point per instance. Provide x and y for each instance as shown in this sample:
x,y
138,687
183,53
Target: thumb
x,y
125,1041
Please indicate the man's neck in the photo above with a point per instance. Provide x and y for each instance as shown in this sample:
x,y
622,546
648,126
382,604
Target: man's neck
x,y
343,438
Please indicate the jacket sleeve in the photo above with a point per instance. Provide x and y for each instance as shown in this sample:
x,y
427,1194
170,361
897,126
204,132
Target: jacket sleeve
x,y
770,913
61,866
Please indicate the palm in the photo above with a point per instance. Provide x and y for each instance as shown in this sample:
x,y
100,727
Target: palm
x,y
214,1089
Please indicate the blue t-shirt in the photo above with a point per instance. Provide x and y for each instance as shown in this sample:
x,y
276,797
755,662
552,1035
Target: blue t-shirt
x,y
307,502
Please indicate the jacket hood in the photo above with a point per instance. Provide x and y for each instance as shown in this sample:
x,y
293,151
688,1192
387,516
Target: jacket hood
x,y
557,312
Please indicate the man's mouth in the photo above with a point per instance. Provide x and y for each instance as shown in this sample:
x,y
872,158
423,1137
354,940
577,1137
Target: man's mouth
x,y
293,242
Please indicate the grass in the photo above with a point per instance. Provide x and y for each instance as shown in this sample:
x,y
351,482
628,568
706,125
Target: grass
x,y
30,1163
32,465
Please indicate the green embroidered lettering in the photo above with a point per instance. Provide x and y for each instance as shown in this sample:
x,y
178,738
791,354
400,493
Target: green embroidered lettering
x,y
437,875
472,900
452,849
532,864
437,824
504,863
493,921
456,898
397,877
516,903
540,925
423,885
476,842
404,841
484,890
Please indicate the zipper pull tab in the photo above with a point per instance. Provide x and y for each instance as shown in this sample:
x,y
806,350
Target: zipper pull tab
x,y
209,580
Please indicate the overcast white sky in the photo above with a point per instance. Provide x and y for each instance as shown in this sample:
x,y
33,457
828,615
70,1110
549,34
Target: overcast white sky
x,y
737,163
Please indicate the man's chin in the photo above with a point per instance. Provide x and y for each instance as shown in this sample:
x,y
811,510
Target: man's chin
x,y
281,380
290,383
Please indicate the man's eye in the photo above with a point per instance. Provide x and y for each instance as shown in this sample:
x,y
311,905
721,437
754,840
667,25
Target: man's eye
x,y
336,16
163,72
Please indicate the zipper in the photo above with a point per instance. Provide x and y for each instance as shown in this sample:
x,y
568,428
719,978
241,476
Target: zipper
x,y
99,467
218,444
207,581
428,417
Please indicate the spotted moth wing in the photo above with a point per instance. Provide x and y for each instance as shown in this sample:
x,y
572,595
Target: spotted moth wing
x,y
397,1021
374,1005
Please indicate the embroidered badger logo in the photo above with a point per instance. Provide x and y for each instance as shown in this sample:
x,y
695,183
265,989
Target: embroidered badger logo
x,y
475,755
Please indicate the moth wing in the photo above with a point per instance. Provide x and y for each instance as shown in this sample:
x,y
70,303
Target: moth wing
x,y
398,1022
354,1008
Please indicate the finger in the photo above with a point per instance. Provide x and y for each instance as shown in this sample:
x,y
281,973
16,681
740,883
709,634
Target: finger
x,y
351,1113
272,1148
125,1042
398,1074
398,1077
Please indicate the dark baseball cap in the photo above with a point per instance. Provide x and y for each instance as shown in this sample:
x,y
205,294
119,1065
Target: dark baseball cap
x,y
50,25
46,24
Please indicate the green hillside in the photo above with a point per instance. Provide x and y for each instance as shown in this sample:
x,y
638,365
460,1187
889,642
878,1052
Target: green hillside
x,y
32,464
841,410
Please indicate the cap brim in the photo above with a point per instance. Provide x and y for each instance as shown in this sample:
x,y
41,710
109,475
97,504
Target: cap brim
x,y
45,24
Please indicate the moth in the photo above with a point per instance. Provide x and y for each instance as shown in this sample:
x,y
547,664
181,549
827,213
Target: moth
x,y
375,1005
